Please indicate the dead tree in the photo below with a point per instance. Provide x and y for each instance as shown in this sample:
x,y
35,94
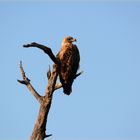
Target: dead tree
x,y
39,131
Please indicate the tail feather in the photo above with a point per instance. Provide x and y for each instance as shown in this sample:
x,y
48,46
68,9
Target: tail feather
x,y
67,89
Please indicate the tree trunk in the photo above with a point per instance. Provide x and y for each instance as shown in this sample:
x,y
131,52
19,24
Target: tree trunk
x,y
40,125
39,131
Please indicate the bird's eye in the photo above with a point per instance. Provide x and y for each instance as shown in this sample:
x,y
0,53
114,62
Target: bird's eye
x,y
70,39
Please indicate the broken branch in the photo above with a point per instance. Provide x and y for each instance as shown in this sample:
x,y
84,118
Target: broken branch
x,y
26,82
78,74
58,86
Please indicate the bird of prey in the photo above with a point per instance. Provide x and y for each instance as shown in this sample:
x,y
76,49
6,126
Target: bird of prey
x,y
69,59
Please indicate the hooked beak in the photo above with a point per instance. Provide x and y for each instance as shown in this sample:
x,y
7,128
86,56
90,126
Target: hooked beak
x,y
74,40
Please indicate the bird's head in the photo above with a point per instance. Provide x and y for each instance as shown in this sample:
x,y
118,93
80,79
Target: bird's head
x,y
69,39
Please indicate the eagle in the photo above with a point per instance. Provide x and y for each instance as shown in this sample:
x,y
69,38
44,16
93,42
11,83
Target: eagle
x,y
69,59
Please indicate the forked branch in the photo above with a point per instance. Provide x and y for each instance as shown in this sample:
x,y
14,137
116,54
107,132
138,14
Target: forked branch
x,y
45,102
39,132
26,82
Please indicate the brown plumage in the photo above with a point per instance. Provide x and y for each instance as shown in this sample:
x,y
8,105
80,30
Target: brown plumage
x,y
69,58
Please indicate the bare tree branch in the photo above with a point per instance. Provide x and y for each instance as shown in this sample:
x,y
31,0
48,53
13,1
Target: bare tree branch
x,y
78,74
48,135
26,82
40,126
45,102
58,86
46,49
39,131
49,73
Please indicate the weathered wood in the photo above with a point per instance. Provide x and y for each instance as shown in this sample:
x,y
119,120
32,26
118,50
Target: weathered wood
x,y
45,102
46,49
40,126
39,131
26,82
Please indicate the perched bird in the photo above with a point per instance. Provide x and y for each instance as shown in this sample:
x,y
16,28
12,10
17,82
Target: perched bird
x,y
69,58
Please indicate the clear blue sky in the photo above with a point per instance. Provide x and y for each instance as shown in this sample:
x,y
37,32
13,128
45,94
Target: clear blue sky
x,y
105,103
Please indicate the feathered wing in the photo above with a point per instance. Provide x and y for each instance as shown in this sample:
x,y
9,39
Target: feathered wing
x,y
69,66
